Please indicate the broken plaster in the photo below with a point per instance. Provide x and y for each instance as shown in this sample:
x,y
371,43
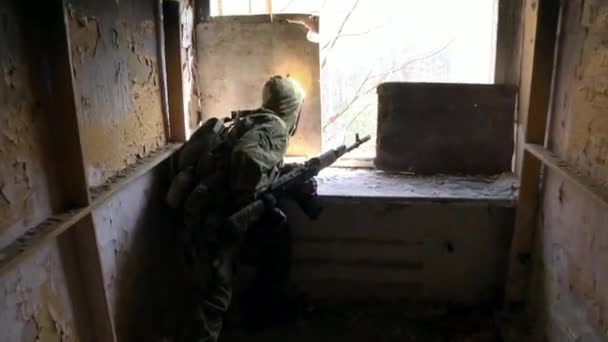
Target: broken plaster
x,y
85,32
31,307
134,123
23,191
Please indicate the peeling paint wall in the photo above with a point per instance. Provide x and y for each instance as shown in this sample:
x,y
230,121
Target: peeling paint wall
x,y
25,173
114,51
35,305
571,279
35,300
135,236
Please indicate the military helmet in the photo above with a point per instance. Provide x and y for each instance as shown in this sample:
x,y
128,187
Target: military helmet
x,y
284,96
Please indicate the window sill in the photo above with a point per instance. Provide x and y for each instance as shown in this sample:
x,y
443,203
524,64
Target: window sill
x,y
368,184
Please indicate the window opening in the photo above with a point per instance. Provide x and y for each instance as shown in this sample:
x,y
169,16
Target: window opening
x,y
366,42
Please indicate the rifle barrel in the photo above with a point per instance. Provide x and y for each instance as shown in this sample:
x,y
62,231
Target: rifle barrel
x,y
358,142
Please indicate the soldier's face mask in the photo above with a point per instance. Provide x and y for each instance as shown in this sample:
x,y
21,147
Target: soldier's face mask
x,y
295,126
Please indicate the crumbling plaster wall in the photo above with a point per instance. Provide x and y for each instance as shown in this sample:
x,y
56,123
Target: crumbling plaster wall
x,y
115,57
571,277
116,71
40,298
26,194
114,52
35,302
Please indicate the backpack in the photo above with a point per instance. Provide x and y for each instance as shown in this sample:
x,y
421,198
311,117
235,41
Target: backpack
x,y
196,159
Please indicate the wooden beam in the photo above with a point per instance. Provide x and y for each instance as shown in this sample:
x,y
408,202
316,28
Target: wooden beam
x,y
132,172
545,41
175,85
268,6
37,236
598,192
508,42
91,300
162,67
66,130
220,7
83,240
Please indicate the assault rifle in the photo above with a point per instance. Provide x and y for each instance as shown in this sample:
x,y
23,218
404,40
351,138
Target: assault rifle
x,y
265,197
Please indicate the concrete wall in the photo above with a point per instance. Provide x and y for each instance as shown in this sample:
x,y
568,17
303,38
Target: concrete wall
x,y
571,293
426,253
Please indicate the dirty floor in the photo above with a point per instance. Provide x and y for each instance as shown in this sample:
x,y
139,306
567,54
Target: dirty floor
x,y
378,322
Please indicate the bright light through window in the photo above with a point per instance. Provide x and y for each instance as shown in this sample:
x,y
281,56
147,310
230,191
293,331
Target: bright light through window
x,y
366,42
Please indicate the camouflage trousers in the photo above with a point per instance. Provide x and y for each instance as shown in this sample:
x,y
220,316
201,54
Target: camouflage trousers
x,y
210,276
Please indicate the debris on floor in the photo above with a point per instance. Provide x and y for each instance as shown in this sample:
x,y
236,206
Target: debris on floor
x,y
378,322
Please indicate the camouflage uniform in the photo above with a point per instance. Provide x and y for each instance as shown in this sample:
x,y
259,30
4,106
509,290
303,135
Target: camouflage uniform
x,y
253,150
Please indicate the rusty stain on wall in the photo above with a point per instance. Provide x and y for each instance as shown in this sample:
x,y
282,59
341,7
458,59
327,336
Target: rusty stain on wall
x,y
120,102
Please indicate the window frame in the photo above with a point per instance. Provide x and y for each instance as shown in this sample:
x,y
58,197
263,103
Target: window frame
x,y
506,62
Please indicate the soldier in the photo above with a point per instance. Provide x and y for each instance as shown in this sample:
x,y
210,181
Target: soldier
x,y
219,170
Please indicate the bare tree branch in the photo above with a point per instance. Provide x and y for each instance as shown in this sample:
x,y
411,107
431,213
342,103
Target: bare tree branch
x,y
343,35
350,103
356,34
337,36
433,54
287,6
356,116
383,76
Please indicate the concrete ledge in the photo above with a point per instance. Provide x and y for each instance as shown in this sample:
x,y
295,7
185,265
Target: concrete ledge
x,y
439,239
368,184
